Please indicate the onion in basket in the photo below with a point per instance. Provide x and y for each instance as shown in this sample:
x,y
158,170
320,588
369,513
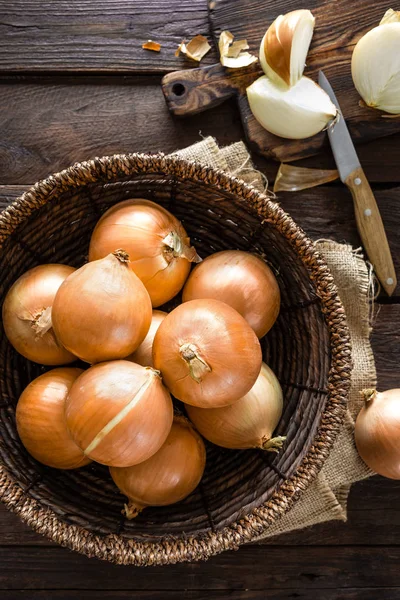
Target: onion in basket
x,y
243,281
250,422
207,353
377,432
119,413
27,315
168,476
40,418
144,354
102,311
157,244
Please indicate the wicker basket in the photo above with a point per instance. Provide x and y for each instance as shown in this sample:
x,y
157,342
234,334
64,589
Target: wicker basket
x,y
242,492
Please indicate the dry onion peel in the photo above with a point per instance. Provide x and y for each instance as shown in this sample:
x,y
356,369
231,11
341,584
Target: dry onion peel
x,y
292,179
249,422
285,45
119,413
168,476
375,65
27,315
232,54
195,49
41,420
297,112
150,45
377,432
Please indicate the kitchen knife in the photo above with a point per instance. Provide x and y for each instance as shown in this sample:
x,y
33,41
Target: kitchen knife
x,y
369,222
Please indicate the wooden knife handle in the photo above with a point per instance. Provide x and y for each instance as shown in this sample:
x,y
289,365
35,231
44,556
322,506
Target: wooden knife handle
x,y
371,229
194,90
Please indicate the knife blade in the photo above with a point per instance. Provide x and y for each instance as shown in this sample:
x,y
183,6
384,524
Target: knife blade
x,y
368,218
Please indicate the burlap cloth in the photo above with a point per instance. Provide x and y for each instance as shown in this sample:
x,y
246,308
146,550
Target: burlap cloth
x,y
326,498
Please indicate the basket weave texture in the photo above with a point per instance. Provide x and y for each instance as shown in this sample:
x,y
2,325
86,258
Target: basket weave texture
x,y
242,492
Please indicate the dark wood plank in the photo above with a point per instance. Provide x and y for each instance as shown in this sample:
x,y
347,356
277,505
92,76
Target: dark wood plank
x,y
336,33
253,567
384,593
51,123
371,501
80,35
48,123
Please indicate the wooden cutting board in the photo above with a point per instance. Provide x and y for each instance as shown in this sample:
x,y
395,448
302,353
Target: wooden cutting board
x,y
339,25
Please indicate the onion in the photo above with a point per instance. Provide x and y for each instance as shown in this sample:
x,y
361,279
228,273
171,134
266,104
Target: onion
x,y
157,244
27,315
285,45
168,476
377,432
102,311
294,113
243,281
144,354
41,424
119,413
250,422
208,355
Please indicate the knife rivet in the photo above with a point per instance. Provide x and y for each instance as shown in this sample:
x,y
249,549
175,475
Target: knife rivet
x,y
367,212
357,181
389,281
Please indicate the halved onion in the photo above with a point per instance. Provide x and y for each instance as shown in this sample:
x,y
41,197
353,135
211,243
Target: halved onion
x,y
158,246
294,113
102,311
243,281
27,317
207,353
119,413
285,45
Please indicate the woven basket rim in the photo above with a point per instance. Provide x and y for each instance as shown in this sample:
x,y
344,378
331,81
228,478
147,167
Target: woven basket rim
x,y
172,549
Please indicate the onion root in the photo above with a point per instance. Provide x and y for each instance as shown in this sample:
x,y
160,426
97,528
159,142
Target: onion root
x,y
197,365
273,444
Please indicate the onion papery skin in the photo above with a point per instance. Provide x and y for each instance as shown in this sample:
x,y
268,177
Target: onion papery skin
x,y
26,301
41,424
141,228
168,476
377,432
207,353
144,354
249,422
119,413
102,311
241,280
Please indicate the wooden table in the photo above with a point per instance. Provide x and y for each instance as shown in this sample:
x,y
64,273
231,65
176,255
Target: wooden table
x,y
75,83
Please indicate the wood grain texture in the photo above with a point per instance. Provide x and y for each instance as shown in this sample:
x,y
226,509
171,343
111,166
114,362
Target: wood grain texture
x,y
105,36
321,594
371,229
283,568
338,28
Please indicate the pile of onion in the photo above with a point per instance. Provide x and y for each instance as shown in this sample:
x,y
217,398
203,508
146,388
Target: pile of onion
x,y
119,413
158,246
207,353
241,280
102,311
27,315
41,421
168,476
